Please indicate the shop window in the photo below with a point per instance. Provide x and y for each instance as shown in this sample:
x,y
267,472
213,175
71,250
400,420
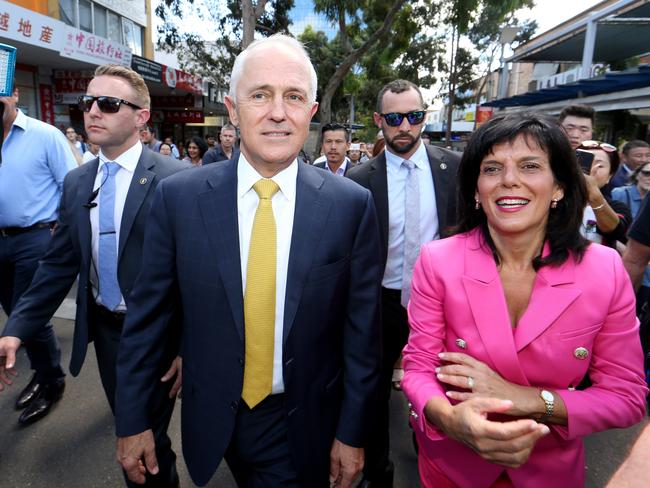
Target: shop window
x,y
132,35
68,12
100,21
85,16
114,31
138,35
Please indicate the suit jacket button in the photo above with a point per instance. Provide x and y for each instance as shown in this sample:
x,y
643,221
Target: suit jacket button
x,y
461,343
581,352
234,405
241,362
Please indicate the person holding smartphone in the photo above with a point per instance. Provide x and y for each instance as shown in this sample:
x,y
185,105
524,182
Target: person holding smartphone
x,y
605,221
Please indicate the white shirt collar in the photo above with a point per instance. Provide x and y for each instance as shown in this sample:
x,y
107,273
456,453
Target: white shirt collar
x,y
419,158
247,176
341,169
20,120
127,160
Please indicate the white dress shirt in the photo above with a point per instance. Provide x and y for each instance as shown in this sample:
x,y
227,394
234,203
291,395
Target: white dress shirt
x,y
429,225
127,161
284,205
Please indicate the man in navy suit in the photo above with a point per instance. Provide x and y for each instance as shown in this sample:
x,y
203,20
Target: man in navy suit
x,y
115,107
308,426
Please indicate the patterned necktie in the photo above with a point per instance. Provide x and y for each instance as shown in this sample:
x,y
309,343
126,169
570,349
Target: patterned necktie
x,y
411,229
259,299
109,288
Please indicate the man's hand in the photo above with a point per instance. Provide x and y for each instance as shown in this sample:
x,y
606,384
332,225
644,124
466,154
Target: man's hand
x,y
130,452
346,462
8,347
176,369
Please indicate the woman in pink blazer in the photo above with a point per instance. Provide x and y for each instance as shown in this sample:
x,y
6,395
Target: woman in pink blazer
x,y
510,314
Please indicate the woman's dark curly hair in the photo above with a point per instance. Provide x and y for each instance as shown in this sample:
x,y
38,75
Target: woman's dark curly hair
x,y
201,144
563,227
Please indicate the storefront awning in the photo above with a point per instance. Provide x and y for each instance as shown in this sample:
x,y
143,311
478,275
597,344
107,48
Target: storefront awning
x,y
608,83
622,34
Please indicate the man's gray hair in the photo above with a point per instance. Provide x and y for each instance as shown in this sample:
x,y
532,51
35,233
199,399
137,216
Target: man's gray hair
x,y
279,40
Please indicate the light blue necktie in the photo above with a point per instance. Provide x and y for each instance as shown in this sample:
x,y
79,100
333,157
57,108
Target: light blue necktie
x,y
411,229
109,288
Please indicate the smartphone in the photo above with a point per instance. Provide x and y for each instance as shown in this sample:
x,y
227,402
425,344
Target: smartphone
x,y
355,147
585,158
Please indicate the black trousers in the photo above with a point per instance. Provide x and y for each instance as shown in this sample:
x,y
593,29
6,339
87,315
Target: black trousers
x,y
259,455
395,331
19,256
106,332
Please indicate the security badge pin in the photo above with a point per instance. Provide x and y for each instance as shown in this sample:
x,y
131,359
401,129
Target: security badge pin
x,y
581,352
461,343
143,181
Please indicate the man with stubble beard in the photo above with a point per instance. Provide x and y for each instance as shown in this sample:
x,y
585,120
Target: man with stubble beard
x,y
414,186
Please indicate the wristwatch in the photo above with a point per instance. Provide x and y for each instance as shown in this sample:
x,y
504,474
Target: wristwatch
x,y
549,401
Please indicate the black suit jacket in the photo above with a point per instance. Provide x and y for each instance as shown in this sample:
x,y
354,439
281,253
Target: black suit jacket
x,y
444,168
331,349
70,252
216,154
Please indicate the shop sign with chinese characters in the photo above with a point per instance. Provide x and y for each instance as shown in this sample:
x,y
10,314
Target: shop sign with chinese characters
x,y
47,103
175,78
184,116
88,47
70,85
23,25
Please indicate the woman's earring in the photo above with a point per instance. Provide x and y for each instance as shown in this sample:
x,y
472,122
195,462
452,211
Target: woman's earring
x,y
477,205
554,203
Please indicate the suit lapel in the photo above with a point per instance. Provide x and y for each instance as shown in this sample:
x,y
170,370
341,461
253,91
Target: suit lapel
x,y
309,220
442,180
378,180
548,301
218,208
84,193
487,302
141,184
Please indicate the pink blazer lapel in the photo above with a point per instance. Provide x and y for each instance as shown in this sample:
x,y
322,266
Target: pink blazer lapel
x,y
488,305
547,302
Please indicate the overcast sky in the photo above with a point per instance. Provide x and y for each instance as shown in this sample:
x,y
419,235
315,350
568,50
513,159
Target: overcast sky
x,y
550,13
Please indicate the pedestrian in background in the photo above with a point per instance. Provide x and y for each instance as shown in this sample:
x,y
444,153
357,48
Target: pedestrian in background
x,y
196,149
414,189
35,159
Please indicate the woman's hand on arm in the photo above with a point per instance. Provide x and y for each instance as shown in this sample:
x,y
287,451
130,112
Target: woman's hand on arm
x,y
485,382
505,443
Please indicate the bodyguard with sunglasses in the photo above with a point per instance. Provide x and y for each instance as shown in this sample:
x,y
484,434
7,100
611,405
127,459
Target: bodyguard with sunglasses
x,y
414,188
99,237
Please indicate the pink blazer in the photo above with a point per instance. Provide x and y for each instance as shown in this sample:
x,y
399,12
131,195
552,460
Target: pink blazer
x,y
457,294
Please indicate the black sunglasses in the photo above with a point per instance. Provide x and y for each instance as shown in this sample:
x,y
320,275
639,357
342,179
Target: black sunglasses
x,y
395,119
108,105
645,172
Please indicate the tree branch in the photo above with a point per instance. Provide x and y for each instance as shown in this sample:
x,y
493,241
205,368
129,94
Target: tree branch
x,y
355,55
343,31
259,8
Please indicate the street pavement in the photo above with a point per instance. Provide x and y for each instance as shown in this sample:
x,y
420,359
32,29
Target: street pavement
x,y
74,445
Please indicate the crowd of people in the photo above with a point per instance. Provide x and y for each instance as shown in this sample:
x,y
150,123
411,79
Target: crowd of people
x,y
289,300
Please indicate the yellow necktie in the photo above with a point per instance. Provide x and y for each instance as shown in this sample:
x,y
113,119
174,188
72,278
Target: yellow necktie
x,y
259,299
